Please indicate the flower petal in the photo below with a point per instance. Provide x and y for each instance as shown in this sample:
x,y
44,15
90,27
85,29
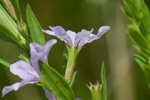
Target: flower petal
x,y
61,34
24,70
49,32
72,35
16,86
38,52
82,38
49,95
48,47
92,37
78,99
102,30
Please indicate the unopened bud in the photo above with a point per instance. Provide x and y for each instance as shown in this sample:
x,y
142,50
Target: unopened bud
x,y
22,27
10,8
95,91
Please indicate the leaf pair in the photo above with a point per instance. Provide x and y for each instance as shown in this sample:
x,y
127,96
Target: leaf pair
x,y
34,27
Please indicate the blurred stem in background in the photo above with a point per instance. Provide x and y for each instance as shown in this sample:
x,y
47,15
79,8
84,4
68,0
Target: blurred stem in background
x,y
120,63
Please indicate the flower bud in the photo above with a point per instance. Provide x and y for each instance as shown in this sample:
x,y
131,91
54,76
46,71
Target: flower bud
x,y
9,28
96,91
10,8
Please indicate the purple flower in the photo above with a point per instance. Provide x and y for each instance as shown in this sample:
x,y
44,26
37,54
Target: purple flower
x,y
38,52
79,39
29,73
78,99
49,95
26,72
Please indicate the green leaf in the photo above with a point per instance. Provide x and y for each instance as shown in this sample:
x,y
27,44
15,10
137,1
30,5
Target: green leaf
x,y
139,14
4,63
8,36
10,8
8,28
141,58
55,83
145,68
73,78
7,21
34,27
18,10
137,37
104,83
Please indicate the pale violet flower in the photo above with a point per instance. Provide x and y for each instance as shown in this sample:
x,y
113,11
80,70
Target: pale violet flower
x,y
29,73
38,52
49,95
78,99
79,39
26,72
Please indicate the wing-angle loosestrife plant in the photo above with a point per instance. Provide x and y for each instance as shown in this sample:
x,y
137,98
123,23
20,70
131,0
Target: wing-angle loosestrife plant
x,y
75,42
29,73
33,67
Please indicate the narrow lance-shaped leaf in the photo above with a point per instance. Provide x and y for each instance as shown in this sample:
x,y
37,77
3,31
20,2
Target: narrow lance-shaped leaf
x,y
8,28
10,8
137,37
18,10
143,62
7,21
34,27
55,83
73,79
145,68
138,12
4,63
8,36
104,83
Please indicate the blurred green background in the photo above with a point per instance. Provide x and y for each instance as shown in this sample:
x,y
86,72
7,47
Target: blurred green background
x,y
125,80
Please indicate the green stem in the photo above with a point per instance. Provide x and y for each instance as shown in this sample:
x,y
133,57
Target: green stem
x,y
72,55
4,63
